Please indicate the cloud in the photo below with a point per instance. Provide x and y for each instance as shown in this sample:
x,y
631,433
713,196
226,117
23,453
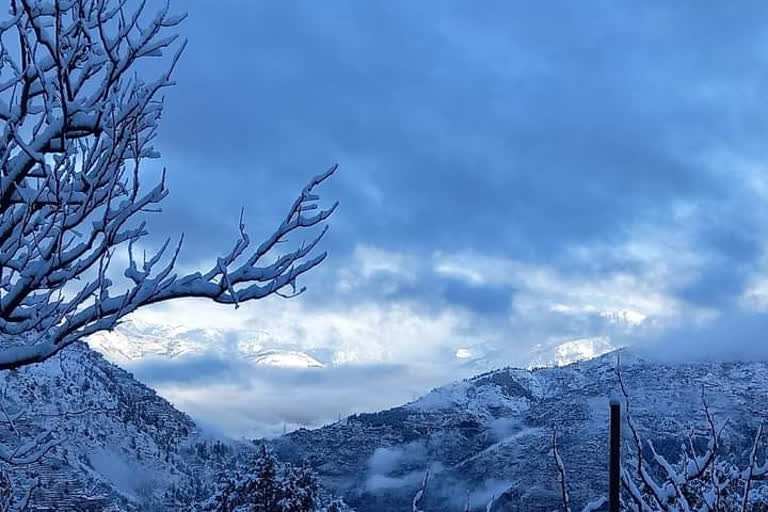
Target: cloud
x,y
507,183
238,398
487,134
397,467
736,335
123,474
188,370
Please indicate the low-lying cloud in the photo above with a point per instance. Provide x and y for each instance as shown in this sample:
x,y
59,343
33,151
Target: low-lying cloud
x,y
238,398
398,467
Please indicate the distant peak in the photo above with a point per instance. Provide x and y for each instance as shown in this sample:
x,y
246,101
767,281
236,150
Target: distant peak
x,y
571,351
286,359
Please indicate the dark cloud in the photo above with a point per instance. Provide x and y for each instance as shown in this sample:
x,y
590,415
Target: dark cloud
x,y
720,286
555,135
524,126
732,249
185,370
421,287
733,336
480,299
215,367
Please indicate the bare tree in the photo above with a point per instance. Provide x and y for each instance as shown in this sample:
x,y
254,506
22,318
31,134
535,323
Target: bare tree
x,y
77,122
700,482
421,492
566,505
416,503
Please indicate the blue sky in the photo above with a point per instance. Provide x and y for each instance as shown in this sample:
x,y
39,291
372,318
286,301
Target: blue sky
x,y
512,177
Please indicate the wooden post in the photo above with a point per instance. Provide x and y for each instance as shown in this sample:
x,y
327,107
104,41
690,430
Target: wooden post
x,y
614,475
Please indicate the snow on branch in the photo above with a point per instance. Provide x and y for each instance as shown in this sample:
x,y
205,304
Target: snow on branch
x,y
77,123
29,451
698,482
416,504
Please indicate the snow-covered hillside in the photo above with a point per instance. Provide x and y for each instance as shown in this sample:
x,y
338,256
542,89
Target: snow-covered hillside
x,y
122,447
285,359
491,435
118,445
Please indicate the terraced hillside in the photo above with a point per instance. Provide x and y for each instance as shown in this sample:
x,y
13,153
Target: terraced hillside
x,y
117,442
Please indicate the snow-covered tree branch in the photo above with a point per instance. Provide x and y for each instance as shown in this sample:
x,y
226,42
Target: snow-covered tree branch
x,y
697,482
77,123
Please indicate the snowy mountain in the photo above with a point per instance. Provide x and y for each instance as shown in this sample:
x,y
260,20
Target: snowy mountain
x,y
555,352
116,445
491,435
285,359
120,447
568,352
119,443
134,340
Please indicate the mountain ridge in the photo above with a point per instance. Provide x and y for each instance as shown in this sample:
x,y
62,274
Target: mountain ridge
x,y
123,446
491,434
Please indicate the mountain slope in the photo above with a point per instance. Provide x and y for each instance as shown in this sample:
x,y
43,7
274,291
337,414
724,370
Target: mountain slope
x,y
118,446
491,435
122,447
119,443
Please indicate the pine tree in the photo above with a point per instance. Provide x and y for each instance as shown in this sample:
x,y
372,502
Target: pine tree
x,y
298,489
262,491
266,485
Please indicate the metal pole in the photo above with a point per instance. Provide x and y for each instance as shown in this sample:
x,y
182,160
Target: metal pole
x,y
614,476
